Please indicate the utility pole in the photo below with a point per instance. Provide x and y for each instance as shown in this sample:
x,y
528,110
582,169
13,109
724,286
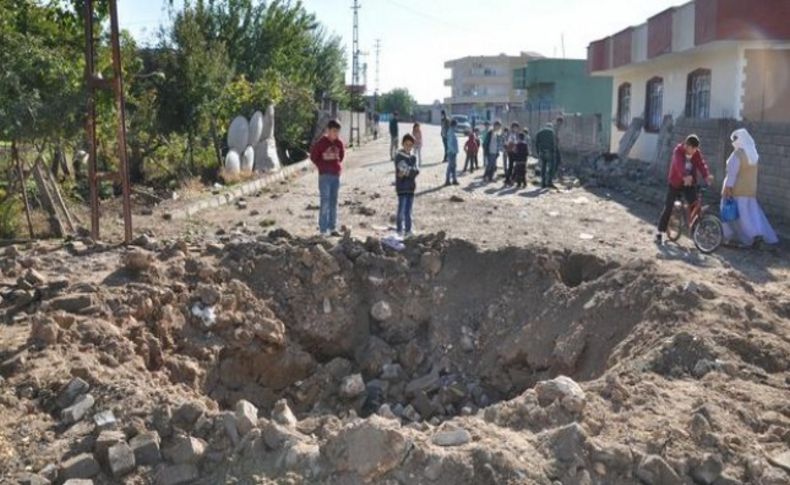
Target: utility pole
x,y
376,91
354,71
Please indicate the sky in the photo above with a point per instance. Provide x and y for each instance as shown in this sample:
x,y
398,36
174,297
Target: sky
x,y
418,36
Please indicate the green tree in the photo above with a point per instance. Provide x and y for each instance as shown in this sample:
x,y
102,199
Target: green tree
x,y
400,100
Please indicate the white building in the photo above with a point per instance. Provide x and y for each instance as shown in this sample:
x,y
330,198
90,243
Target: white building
x,y
704,59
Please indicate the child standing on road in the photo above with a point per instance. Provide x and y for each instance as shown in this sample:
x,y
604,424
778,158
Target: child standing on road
x,y
471,148
452,154
510,149
327,154
406,172
492,145
416,132
519,160
504,141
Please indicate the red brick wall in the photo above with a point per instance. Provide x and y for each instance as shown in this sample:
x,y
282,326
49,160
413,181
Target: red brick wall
x,y
741,20
659,34
596,56
621,50
705,21
753,20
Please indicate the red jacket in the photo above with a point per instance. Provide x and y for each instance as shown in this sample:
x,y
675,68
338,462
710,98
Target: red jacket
x,y
677,169
472,144
327,155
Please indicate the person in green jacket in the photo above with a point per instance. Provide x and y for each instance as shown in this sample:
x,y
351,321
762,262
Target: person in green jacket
x,y
547,149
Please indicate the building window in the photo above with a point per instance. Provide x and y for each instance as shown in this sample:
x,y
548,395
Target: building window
x,y
624,106
698,94
654,101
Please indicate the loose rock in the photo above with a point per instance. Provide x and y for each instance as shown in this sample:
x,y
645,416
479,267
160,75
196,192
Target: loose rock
x,y
246,416
282,413
370,448
185,449
121,459
146,448
381,311
455,437
80,466
77,411
653,470
352,386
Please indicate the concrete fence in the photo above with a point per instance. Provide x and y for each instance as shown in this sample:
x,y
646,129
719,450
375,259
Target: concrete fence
x,y
579,134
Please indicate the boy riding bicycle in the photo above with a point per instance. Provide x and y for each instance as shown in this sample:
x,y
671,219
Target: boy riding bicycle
x,y
687,160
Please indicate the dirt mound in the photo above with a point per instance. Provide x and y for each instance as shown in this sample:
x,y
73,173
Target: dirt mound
x,y
283,359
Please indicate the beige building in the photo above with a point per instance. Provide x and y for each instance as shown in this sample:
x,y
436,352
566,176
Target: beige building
x,y
482,86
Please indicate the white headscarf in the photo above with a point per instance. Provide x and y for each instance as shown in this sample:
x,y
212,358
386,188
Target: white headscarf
x,y
741,139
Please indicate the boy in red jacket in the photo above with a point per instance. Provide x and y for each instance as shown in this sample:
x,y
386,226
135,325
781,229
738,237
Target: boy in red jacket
x,y
327,154
687,160
472,146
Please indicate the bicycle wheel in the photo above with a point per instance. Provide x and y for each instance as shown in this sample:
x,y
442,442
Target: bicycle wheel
x,y
707,233
676,222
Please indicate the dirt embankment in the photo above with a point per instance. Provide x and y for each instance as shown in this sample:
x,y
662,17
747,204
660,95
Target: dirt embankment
x,y
279,359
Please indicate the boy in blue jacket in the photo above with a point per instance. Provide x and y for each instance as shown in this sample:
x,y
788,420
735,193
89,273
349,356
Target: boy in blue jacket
x,y
406,172
452,155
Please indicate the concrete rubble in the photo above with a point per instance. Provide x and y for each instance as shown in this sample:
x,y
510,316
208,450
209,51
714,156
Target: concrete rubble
x,y
284,360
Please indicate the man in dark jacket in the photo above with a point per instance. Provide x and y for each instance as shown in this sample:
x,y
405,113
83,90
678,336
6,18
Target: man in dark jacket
x,y
393,135
406,172
687,161
546,150
445,128
327,154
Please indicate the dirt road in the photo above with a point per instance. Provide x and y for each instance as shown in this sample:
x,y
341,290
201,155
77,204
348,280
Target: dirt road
x,y
246,355
490,215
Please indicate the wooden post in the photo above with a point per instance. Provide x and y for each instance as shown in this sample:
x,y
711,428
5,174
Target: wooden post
x,y
21,173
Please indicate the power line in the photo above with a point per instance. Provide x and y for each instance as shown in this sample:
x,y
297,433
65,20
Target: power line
x,y
428,18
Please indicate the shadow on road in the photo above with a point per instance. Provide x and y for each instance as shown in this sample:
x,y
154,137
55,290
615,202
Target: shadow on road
x,y
376,164
758,265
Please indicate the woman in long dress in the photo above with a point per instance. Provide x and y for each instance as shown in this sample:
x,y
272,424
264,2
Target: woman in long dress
x,y
741,184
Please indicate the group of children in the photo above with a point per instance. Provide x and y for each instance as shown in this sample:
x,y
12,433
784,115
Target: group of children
x,y
512,144
328,154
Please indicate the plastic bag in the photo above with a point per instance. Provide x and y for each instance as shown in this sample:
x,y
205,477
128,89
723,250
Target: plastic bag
x,y
729,210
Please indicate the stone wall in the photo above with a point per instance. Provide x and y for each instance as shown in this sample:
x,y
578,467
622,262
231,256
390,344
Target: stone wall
x,y
580,134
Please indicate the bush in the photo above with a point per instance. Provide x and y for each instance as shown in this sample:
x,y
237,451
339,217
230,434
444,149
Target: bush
x,y
10,215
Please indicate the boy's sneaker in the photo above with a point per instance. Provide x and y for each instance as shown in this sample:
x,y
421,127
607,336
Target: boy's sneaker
x,y
335,234
456,183
447,184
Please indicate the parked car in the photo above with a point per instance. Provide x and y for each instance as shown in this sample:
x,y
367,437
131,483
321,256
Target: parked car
x,y
463,125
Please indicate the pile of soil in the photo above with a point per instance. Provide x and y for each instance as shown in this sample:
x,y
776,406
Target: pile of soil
x,y
275,359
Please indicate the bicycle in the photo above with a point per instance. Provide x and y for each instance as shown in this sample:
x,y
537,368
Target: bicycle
x,y
703,226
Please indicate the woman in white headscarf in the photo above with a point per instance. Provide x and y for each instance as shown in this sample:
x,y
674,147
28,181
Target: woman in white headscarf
x,y
741,185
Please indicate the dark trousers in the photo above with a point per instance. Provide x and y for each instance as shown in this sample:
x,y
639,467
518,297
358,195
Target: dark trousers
x,y
689,193
506,163
520,173
471,162
509,163
444,145
405,204
547,168
490,172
